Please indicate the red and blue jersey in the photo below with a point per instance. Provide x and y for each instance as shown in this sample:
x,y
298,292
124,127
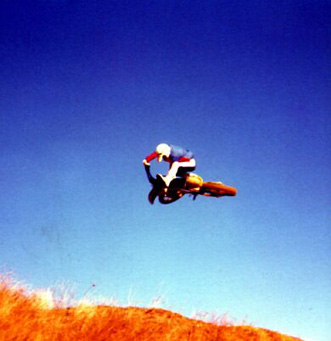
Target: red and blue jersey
x,y
177,153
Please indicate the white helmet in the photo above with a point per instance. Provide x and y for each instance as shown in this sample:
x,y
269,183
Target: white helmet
x,y
162,149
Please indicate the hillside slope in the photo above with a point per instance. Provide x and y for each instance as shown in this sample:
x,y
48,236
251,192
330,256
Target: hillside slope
x,y
26,317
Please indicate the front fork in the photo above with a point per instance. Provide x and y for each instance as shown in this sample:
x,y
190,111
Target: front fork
x,y
149,175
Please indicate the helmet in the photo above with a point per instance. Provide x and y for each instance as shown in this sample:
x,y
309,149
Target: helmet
x,y
163,149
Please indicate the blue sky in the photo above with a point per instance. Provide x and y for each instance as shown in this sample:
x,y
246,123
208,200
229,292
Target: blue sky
x,y
88,89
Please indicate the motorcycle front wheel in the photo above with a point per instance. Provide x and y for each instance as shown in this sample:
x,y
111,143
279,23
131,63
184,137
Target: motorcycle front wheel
x,y
166,199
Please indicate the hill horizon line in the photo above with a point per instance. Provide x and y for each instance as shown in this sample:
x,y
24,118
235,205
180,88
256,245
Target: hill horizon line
x,y
32,316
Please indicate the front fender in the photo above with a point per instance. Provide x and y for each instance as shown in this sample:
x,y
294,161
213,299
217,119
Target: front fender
x,y
152,195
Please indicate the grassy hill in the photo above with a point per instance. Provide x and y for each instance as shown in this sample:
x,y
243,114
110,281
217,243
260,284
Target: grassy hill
x,y
28,317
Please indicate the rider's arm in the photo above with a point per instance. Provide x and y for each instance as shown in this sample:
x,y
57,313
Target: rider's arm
x,y
149,158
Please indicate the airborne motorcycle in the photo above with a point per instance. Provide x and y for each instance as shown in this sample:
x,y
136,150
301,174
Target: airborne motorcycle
x,y
191,184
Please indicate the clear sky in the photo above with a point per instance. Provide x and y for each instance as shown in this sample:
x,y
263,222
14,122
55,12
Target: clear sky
x,y
89,88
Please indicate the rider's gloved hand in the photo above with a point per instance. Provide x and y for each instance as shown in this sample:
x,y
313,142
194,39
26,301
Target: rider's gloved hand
x,y
146,163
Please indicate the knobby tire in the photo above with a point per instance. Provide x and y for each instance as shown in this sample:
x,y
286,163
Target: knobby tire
x,y
168,200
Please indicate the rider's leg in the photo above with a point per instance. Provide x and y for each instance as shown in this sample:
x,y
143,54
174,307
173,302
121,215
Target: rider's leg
x,y
183,171
177,168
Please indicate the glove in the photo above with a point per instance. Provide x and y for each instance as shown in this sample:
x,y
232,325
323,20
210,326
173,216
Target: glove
x,y
146,163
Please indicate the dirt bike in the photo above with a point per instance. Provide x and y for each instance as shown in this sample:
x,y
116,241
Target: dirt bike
x,y
191,184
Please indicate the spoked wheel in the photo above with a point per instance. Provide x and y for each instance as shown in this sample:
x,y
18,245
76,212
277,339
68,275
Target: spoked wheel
x,y
165,199
217,189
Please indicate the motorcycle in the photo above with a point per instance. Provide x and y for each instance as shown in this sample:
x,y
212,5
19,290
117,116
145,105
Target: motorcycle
x,y
191,184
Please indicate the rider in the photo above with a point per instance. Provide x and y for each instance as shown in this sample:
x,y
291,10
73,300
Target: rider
x,y
181,160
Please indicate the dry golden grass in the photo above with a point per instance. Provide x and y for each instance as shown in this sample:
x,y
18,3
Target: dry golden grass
x,y
26,316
